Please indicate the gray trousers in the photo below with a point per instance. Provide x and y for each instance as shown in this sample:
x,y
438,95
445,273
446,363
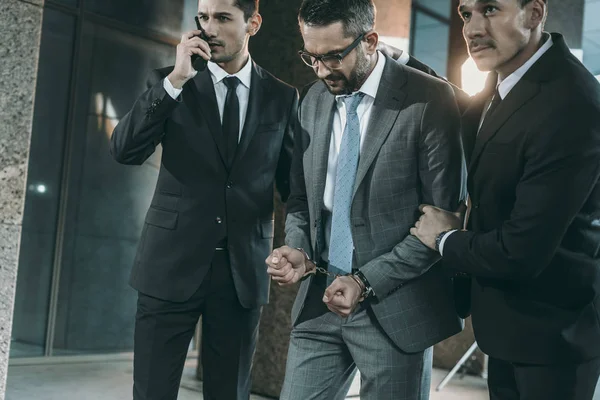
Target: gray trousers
x,y
326,351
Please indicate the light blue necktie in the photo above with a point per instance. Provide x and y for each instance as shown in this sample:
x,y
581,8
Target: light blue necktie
x,y
341,245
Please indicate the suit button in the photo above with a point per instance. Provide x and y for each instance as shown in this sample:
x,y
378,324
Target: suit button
x,y
229,185
476,205
218,220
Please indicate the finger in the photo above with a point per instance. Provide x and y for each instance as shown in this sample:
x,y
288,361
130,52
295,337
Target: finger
x,y
195,50
425,208
280,271
275,256
332,290
188,35
198,42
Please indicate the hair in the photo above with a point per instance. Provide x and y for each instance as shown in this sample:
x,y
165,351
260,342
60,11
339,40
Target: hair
x,y
525,2
249,7
357,16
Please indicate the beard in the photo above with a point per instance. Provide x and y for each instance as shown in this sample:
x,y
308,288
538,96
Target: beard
x,y
338,84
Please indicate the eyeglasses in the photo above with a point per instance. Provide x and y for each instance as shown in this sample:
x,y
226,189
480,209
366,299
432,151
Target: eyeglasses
x,y
331,61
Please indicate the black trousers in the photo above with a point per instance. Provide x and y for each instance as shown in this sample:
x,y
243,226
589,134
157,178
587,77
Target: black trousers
x,y
513,381
164,329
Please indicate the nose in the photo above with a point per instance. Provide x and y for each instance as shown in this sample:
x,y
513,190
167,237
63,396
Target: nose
x,y
474,27
210,27
321,70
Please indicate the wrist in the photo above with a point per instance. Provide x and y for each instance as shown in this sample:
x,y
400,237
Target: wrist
x,y
309,266
361,279
438,239
176,81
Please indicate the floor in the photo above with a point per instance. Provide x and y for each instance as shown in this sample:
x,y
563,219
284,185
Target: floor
x,y
112,381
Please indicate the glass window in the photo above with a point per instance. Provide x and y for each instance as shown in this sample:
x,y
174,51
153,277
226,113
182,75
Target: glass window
x,y
43,185
156,15
107,201
591,37
430,41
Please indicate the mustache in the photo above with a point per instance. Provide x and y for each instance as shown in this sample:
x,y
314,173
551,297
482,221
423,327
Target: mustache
x,y
481,43
334,77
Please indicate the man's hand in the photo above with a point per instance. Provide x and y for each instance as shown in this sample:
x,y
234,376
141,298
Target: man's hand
x,y
190,44
286,265
389,51
435,221
342,296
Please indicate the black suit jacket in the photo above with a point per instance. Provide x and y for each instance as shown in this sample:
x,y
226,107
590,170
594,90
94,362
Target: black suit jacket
x,y
198,200
533,243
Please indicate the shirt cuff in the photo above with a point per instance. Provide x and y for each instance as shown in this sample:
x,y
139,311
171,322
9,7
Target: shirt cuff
x,y
446,236
174,93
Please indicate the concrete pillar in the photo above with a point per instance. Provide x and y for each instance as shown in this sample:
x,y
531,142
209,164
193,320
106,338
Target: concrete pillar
x,y
20,29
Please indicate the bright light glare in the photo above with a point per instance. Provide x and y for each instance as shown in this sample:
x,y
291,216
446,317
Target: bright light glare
x,y
473,80
41,188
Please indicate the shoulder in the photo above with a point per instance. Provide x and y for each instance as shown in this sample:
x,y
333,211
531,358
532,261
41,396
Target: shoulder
x,y
275,83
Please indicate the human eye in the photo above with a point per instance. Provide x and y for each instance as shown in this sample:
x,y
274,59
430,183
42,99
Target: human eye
x,y
489,10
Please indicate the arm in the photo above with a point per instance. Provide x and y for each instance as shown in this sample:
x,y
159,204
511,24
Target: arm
x,y
282,175
139,132
440,164
297,224
562,168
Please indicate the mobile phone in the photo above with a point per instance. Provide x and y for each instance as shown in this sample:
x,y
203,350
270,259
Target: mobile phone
x,y
198,62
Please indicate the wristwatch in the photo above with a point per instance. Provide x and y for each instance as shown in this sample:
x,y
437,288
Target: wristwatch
x,y
368,291
311,267
438,240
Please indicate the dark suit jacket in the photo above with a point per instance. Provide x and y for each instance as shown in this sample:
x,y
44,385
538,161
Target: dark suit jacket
x,y
533,243
198,201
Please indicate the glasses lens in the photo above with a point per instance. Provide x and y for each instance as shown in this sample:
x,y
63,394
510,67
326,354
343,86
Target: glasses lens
x,y
332,62
308,60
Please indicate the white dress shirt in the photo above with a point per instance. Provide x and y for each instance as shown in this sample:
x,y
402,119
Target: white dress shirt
x,y
217,74
504,87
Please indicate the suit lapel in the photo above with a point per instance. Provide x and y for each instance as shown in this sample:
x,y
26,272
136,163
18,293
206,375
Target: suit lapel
x,y
321,141
253,114
384,114
524,91
201,97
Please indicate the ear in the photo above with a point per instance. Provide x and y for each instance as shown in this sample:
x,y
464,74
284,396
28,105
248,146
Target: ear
x,y
254,24
536,14
372,41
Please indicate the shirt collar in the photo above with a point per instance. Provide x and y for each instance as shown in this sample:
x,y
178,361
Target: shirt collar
x,y
244,74
371,85
506,85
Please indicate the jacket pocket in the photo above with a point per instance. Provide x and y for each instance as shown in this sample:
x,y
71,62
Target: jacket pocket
x,y
162,218
267,229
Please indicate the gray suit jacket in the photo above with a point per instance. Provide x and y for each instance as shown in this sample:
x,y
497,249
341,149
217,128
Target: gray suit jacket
x,y
411,155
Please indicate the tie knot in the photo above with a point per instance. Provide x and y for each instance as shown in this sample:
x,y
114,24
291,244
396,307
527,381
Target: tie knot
x,y
231,82
352,102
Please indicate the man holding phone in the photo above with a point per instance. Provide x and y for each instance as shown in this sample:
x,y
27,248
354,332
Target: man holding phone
x,y
226,143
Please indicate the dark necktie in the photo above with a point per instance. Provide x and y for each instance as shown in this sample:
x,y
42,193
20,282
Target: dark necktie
x,y
494,103
231,118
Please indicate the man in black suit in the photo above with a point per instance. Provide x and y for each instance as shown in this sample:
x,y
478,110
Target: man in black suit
x,y
226,140
532,237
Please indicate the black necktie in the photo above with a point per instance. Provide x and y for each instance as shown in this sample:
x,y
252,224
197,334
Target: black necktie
x,y
231,118
494,103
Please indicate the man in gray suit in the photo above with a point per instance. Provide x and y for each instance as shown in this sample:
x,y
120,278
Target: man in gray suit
x,y
374,140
